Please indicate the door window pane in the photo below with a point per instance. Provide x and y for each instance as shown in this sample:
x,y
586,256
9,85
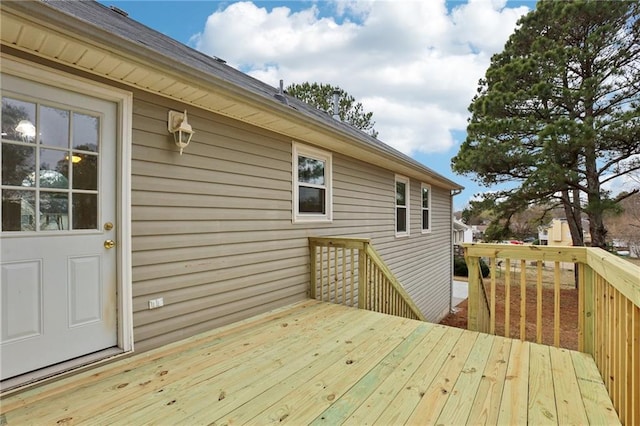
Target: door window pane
x,y
85,211
85,171
18,120
54,169
18,210
85,132
61,171
18,162
54,127
54,211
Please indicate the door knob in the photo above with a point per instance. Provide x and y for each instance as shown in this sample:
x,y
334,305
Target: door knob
x,y
109,244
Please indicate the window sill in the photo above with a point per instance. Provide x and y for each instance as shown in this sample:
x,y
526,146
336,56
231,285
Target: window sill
x,y
305,220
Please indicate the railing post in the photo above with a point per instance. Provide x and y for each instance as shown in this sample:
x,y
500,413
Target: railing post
x,y
362,276
588,313
474,293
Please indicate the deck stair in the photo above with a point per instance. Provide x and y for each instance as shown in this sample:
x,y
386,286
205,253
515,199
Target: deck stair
x,y
349,271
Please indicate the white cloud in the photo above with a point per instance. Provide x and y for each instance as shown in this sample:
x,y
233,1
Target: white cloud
x,y
414,64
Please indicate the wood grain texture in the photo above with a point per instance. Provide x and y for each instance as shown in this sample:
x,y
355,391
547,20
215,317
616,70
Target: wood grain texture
x,y
322,363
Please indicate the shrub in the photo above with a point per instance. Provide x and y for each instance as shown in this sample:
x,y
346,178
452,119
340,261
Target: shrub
x,y
460,267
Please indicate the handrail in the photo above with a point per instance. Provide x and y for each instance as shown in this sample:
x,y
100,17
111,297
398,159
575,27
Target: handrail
x,y
608,298
350,271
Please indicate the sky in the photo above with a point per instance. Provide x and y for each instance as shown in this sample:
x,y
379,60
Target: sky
x,y
414,64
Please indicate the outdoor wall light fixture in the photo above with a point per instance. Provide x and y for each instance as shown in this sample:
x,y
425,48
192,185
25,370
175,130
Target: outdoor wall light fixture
x,y
181,129
26,129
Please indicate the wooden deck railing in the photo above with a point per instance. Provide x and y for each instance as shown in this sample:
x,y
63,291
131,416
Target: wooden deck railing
x,y
350,272
608,300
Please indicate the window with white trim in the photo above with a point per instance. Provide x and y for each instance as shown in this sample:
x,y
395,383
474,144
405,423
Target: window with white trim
x,y
402,206
312,178
426,208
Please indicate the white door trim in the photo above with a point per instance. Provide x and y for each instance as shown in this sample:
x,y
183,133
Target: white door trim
x,y
124,100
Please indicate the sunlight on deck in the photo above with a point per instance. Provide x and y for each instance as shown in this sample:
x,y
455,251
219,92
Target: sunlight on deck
x,y
320,363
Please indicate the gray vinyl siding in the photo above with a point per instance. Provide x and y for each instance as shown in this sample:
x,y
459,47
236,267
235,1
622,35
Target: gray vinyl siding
x,y
212,230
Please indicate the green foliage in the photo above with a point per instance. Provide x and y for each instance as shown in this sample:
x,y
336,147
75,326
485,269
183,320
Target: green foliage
x,y
460,267
478,212
321,96
558,112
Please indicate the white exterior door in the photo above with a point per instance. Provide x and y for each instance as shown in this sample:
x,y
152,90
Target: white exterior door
x,y
58,262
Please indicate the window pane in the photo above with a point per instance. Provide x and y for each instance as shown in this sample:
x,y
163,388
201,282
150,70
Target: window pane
x,y
54,127
54,169
425,219
310,170
85,132
401,219
18,162
54,213
425,198
85,171
311,200
18,120
85,211
18,210
401,194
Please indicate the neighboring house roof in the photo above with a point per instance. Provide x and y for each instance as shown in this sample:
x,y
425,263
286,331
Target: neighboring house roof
x,y
460,226
89,36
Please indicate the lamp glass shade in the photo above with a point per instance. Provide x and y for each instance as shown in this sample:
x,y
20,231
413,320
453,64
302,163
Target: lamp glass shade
x,y
180,128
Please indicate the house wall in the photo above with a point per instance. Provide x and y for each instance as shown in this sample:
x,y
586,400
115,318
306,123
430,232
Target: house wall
x,y
212,229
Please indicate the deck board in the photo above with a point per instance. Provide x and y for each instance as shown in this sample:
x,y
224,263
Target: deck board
x,y
458,405
565,387
486,406
319,363
515,402
542,403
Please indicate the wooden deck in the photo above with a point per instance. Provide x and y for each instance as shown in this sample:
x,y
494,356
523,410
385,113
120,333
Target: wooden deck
x,y
320,363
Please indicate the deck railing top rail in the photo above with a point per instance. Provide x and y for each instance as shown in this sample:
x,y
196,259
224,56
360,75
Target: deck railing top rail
x,y
621,274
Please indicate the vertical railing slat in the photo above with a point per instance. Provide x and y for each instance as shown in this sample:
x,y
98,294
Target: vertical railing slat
x,y
556,305
539,302
344,276
523,299
507,298
313,265
492,313
322,273
634,395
